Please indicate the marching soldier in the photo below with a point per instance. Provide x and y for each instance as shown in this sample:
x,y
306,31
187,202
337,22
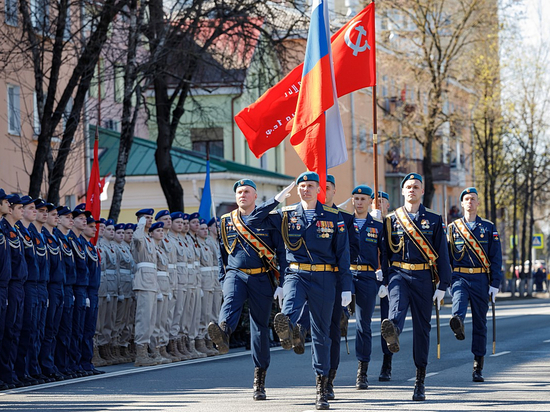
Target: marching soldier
x,y
476,258
317,252
124,299
366,275
415,259
385,370
214,243
145,286
246,270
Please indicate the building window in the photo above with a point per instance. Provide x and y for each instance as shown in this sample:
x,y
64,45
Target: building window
x,y
208,140
11,12
40,11
95,84
36,116
14,111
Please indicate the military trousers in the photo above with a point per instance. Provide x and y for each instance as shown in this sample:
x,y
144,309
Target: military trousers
x,y
180,297
146,315
29,329
160,330
12,331
384,313
77,333
317,289
413,289
237,288
63,345
366,289
3,310
473,289
90,323
34,365
53,319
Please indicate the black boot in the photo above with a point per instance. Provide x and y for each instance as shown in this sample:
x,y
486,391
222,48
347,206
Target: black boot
x,y
284,330
330,386
385,372
478,367
321,402
362,382
299,339
390,333
457,325
419,390
259,384
220,336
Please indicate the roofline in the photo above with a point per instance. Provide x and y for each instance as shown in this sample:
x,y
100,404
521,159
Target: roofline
x,y
215,176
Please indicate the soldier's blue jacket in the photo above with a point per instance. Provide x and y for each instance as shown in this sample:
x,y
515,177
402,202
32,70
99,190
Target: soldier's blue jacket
x,y
79,253
370,242
67,257
487,236
5,258
93,263
57,266
323,241
432,227
19,271
353,235
41,254
242,255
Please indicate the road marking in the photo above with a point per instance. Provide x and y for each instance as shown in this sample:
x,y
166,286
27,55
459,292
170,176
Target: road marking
x,y
506,352
427,376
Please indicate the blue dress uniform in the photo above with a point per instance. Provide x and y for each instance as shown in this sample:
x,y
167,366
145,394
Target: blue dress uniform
x,y
80,294
5,276
90,321
55,303
471,279
42,288
313,251
16,297
29,327
363,268
64,335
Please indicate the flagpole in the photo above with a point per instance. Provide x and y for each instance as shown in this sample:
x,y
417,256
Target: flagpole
x,y
375,141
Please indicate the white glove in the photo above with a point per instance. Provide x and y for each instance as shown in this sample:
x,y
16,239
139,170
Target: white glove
x,y
108,298
120,298
376,214
379,275
346,298
383,291
202,293
283,194
142,220
160,298
493,293
279,296
47,302
170,296
74,299
88,302
438,297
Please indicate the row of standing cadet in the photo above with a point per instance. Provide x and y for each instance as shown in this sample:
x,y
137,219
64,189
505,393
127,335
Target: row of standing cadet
x,y
315,244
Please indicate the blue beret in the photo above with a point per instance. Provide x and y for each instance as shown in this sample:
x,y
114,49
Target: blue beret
x,y
14,199
362,190
90,219
244,182
50,206
27,200
81,206
120,226
77,212
162,213
176,215
213,221
64,210
308,176
202,221
411,176
150,212
468,190
2,194
109,222
156,226
331,179
102,220
40,203
185,216
381,194
194,216
130,226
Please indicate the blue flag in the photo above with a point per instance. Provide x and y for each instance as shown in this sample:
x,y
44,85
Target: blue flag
x,y
205,209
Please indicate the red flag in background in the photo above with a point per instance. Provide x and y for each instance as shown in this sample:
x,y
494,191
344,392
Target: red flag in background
x,y
93,203
267,122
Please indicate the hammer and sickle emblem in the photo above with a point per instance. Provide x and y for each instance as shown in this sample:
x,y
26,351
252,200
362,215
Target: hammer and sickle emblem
x,y
357,47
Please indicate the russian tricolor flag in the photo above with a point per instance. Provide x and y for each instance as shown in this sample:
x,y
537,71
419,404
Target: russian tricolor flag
x,y
317,133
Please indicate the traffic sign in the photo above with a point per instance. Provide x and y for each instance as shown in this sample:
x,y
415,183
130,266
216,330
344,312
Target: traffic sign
x,y
538,241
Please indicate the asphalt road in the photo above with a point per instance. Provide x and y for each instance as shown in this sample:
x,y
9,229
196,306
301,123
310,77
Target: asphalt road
x,y
517,377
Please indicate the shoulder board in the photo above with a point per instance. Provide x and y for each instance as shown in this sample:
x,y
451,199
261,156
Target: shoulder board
x,y
226,216
344,211
487,221
287,208
330,209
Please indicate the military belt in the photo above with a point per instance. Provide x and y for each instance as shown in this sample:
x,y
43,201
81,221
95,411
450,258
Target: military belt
x,y
313,268
110,272
146,265
181,264
205,269
469,270
361,268
171,266
253,271
411,266
162,273
190,266
125,272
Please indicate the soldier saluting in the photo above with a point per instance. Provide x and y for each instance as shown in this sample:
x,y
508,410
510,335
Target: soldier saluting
x,y
416,261
476,258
